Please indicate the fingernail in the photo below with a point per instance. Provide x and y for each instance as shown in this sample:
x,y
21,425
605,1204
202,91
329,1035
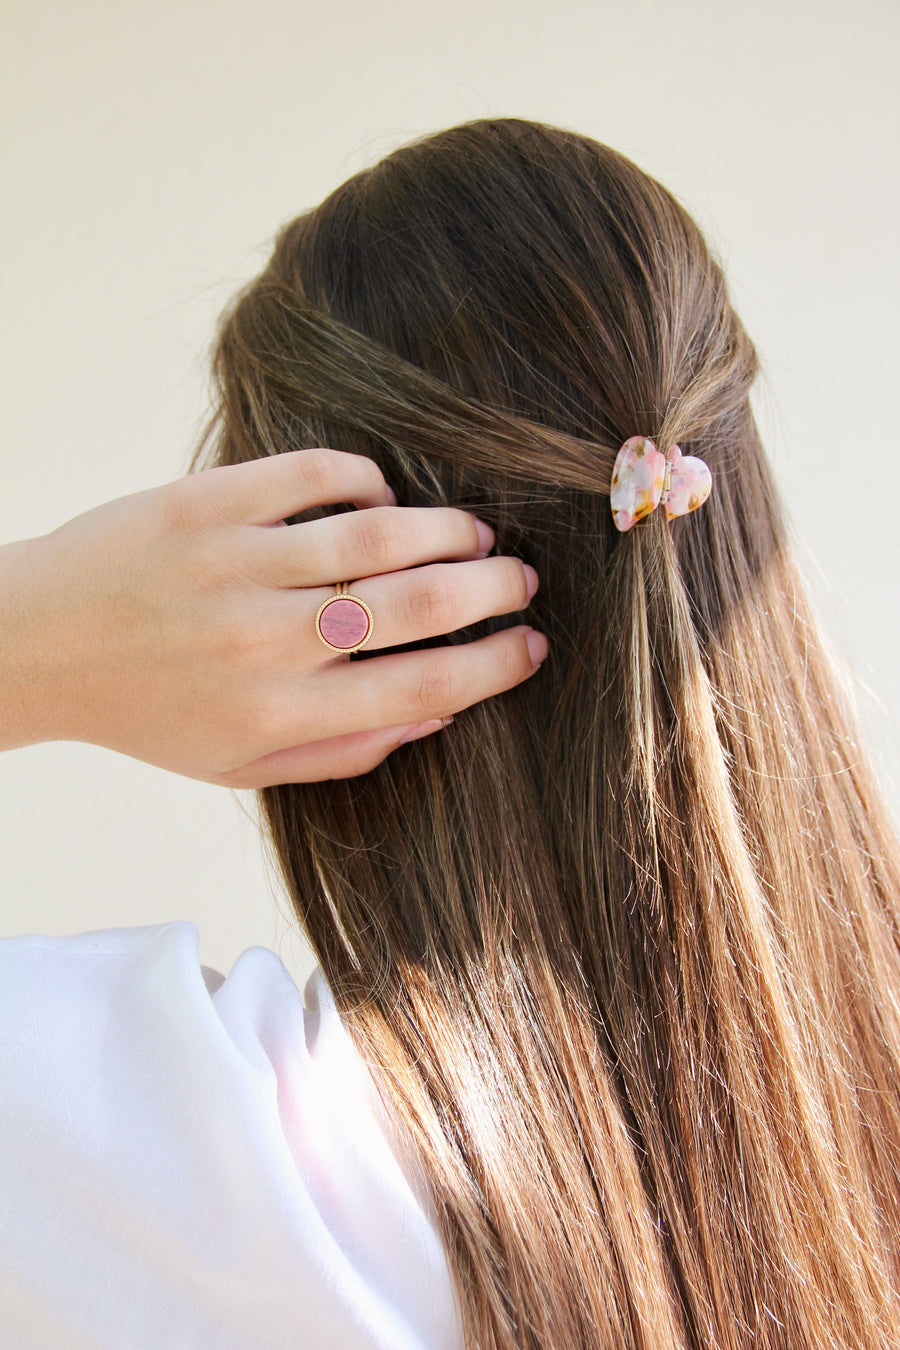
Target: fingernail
x,y
532,577
391,495
538,646
425,729
485,535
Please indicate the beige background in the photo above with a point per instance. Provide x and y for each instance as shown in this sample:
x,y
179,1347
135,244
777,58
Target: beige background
x,y
150,151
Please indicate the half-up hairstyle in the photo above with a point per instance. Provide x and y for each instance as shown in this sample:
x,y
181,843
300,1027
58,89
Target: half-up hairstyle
x,y
620,945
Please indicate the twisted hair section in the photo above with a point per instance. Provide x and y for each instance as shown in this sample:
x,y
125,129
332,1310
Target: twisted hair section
x,y
307,364
620,946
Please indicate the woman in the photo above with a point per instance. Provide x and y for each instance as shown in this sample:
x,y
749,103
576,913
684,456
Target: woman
x,y
619,947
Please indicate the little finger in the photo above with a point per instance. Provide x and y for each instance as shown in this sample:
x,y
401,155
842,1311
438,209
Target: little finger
x,y
337,757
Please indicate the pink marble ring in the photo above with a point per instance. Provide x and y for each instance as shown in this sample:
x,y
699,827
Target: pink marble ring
x,y
344,622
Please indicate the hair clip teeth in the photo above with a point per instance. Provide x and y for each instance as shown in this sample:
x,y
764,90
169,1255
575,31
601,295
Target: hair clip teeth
x,y
667,483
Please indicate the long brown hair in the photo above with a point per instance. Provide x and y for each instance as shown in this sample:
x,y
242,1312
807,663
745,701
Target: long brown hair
x,y
621,944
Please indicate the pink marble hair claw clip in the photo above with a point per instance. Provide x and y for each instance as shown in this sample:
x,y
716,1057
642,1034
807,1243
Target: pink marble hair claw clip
x,y
643,477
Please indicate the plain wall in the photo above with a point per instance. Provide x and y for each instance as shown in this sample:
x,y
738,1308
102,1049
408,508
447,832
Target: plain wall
x,y
150,151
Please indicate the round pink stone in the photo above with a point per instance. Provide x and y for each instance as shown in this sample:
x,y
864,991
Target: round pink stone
x,y
344,623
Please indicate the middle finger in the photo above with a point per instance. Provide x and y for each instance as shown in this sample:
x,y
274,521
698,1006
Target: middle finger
x,y
367,543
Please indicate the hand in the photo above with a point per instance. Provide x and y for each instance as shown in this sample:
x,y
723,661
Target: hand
x,y
177,625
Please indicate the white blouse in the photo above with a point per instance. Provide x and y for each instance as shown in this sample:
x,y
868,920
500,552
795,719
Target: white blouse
x,y
197,1162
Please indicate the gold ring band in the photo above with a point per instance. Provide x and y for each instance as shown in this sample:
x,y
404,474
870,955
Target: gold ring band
x,y
343,621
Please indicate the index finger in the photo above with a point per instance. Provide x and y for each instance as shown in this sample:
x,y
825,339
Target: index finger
x,y
263,491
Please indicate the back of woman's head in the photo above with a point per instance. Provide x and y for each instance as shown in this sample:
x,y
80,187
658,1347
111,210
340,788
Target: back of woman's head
x,y
620,945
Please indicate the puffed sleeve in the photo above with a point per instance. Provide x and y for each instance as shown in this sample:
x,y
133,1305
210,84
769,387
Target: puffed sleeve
x,y
199,1162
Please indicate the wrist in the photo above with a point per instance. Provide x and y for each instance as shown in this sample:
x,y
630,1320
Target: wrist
x,y
31,654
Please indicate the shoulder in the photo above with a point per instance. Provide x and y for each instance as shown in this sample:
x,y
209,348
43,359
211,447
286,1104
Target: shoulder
x,y
197,1146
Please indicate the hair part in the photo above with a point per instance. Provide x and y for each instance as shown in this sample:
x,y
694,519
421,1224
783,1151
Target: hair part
x,y
620,946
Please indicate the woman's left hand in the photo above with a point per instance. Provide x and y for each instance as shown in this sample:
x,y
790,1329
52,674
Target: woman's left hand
x,y
176,625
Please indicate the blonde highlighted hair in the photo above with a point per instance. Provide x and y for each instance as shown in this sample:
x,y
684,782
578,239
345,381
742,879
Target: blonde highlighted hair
x,y
621,944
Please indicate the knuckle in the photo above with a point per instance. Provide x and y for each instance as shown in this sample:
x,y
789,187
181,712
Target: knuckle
x,y
326,469
180,505
520,666
372,472
514,662
379,538
248,640
363,763
515,584
320,469
471,529
429,606
435,691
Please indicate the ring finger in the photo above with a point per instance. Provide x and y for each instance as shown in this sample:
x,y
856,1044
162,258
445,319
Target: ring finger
x,y
424,602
